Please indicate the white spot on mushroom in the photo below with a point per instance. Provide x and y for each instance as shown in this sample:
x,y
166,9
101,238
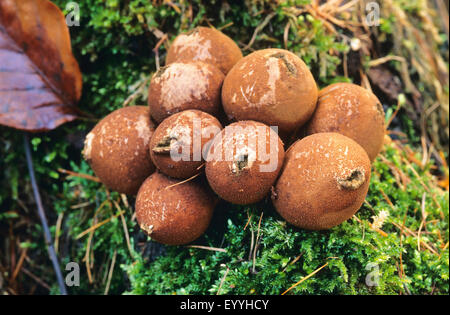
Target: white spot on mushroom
x,y
88,146
273,69
181,84
195,42
143,129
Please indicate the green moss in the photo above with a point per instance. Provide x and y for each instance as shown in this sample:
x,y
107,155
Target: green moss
x,y
352,251
114,47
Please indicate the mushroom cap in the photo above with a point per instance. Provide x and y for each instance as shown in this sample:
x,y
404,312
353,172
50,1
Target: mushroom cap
x,y
181,86
324,181
117,149
244,161
174,215
273,86
186,134
205,44
353,111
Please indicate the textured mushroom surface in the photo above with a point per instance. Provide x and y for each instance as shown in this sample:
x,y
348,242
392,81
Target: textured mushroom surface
x,y
174,214
244,161
182,86
353,111
324,181
117,149
180,142
272,86
205,44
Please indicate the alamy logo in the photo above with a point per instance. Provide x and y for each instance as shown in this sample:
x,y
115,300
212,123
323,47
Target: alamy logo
x,y
73,15
73,277
373,13
373,277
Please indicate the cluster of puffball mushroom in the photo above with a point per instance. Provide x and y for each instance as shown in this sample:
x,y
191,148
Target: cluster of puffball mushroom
x,y
177,157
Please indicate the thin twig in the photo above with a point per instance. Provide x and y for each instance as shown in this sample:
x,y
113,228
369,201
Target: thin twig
x,y
35,278
111,269
96,226
58,230
19,265
424,216
305,278
248,221
215,249
74,174
259,28
256,243
411,233
223,280
183,181
125,228
89,241
43,218
292,262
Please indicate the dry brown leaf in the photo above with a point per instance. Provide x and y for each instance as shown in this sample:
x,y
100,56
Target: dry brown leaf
x,y
40,81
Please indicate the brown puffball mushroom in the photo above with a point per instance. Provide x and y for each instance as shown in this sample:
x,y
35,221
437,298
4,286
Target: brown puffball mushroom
x,y
272,86
353,111
117,149
324,181
179,143
182,86
174,214
244,161
205,44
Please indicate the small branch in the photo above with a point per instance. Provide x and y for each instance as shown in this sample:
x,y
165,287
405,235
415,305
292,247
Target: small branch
x,y
96,226
259,28
125,228
223,280
256,243
111,269
184,181
74,174
305,278
215,249
35,278
19,265
43,218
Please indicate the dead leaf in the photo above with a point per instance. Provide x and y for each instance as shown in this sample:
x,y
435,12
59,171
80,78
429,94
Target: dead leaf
x,y
387,82
40,81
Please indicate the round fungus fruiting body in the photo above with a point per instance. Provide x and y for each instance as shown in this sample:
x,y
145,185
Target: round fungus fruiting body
x,y
205,44
272,86
324,181
353,111
117,149
180,142
182,86
174,214
244,161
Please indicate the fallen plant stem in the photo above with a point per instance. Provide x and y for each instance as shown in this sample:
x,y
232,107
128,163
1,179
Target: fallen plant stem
x,y
111,270
58,230
305,278
74,174
125,228
214,249
222,281
94,227
19,265
183,181
259,28
255,249
411,233
35,278
43,218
